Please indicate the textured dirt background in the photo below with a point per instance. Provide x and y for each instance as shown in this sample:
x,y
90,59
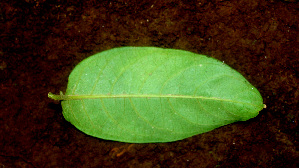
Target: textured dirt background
x,y
42,40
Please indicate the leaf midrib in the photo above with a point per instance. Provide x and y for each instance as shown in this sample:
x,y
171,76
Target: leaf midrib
x,y
77,97
148,96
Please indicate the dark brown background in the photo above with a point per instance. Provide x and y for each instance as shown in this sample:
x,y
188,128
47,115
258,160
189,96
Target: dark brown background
x,y
42,41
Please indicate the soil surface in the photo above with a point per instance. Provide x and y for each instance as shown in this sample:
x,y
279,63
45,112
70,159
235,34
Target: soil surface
x,y
41,41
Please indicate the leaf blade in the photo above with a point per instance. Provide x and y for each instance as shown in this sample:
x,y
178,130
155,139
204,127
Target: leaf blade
x,y
149,94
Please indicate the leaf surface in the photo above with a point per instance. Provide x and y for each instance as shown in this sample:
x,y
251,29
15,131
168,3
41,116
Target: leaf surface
x,y
149,94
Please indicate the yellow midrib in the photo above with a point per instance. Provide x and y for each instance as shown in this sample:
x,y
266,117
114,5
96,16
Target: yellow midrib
x,y
107,96
77,97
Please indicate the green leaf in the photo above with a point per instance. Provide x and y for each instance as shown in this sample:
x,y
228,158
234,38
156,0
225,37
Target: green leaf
x,y
149,94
